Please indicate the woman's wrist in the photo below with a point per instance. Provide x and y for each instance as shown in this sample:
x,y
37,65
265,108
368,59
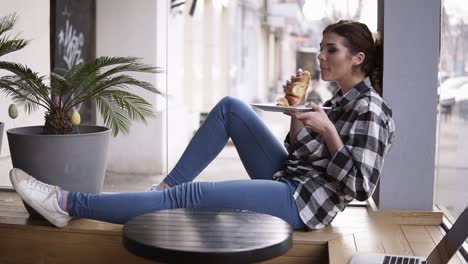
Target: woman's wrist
x,y
332,138
328,129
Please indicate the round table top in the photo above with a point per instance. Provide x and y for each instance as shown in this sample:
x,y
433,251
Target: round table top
x,y
207,235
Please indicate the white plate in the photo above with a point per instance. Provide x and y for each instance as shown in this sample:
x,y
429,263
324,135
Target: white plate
x,y
275,108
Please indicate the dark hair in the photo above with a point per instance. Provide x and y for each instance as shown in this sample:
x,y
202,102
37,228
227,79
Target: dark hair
x,y
360,39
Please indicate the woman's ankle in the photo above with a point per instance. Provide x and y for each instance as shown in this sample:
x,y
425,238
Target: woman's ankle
x,y
63,200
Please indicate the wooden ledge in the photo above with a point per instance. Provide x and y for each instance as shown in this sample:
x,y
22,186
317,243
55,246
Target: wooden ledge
x,y
90,241
93,242
433,217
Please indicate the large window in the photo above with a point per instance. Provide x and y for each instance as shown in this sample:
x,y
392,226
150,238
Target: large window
x,y
451,194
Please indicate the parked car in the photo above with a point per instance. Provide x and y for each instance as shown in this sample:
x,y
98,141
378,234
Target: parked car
x,y
460,102
448,91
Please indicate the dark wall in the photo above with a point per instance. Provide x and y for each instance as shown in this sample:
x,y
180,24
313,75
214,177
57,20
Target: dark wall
x,y
73,41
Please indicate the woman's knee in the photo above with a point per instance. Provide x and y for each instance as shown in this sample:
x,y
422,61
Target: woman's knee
x,y
231,104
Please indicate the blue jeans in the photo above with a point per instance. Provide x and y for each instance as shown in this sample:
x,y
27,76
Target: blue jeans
x,y
260,152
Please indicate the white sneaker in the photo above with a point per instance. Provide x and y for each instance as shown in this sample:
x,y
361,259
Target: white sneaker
x,y
40,196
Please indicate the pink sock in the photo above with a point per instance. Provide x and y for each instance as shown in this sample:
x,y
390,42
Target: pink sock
x,y
61,200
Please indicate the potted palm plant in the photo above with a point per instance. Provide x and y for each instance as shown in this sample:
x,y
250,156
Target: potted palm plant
x,y
62,152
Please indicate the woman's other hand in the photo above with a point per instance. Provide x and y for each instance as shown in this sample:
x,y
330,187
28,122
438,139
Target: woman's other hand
x,y
316,120
294,78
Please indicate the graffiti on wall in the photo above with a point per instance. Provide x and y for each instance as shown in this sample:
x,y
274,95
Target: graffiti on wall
x,y
74,41
70,44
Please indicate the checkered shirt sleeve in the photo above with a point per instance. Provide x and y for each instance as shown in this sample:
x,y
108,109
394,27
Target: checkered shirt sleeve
x,y
358,163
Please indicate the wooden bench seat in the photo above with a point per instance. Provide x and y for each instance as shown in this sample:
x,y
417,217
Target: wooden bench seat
x,y
87,241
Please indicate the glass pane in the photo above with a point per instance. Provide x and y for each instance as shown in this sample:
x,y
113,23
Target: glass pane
x,y
230,48
451,194
137,160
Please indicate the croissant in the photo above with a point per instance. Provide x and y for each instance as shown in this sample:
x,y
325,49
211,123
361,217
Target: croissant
x,y
295,91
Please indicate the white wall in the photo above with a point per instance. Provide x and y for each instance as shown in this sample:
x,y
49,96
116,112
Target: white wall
x,y
214,54
126,28
197,69
411,41
182,86
288,55
248,51
194,57
32,24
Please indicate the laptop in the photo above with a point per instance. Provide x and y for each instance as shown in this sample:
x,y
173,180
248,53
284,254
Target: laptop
x,y
450,244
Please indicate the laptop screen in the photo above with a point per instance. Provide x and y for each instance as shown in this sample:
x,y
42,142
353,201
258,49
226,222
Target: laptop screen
x,y
452,241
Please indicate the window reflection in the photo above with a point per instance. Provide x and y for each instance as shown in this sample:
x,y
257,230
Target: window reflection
x,y
451,195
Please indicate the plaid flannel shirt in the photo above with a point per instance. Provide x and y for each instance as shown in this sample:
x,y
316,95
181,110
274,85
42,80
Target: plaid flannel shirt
x,y
325,184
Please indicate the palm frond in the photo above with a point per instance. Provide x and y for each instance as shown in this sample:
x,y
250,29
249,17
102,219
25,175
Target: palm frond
x,y
20,95
124,68
87,77
132,63
86,72
8,44
135,106
120,108
35,82
7,23
61,71
121,81
59,85
28,102
114,117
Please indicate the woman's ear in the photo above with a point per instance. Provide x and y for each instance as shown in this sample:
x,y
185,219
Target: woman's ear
x,y
358,59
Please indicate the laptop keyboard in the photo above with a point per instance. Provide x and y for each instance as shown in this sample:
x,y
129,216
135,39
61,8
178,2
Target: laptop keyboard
x,y
401,260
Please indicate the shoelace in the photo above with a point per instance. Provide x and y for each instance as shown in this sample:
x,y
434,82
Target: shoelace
x,y
54,191
43,186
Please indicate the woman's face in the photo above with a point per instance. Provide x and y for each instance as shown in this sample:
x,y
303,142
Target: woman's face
x,y
336,61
